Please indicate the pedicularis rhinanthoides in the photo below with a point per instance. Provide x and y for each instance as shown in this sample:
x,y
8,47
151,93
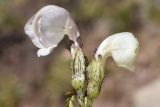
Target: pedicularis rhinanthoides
x,y
47,28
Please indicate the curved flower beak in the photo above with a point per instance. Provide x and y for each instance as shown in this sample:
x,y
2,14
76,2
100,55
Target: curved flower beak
x,y
123,47
48,27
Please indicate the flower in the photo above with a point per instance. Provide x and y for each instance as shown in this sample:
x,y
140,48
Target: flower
x,y
48,26
123,47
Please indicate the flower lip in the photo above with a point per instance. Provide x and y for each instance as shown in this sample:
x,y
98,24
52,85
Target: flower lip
x,y
122,47
48,27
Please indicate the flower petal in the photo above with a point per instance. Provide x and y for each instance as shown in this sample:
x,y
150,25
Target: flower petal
x,y
49,25
45,51
52,23
123,47
30,32
71,29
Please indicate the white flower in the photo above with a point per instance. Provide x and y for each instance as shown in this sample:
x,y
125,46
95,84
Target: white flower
x,y
123,47
48,27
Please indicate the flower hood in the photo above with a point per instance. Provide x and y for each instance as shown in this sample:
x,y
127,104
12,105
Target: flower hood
x,y
48,26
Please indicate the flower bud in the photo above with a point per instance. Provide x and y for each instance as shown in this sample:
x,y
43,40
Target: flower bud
x,y
123,47
48,27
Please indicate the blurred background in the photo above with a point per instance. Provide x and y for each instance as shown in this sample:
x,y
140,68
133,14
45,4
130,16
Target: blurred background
x,y
29,81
